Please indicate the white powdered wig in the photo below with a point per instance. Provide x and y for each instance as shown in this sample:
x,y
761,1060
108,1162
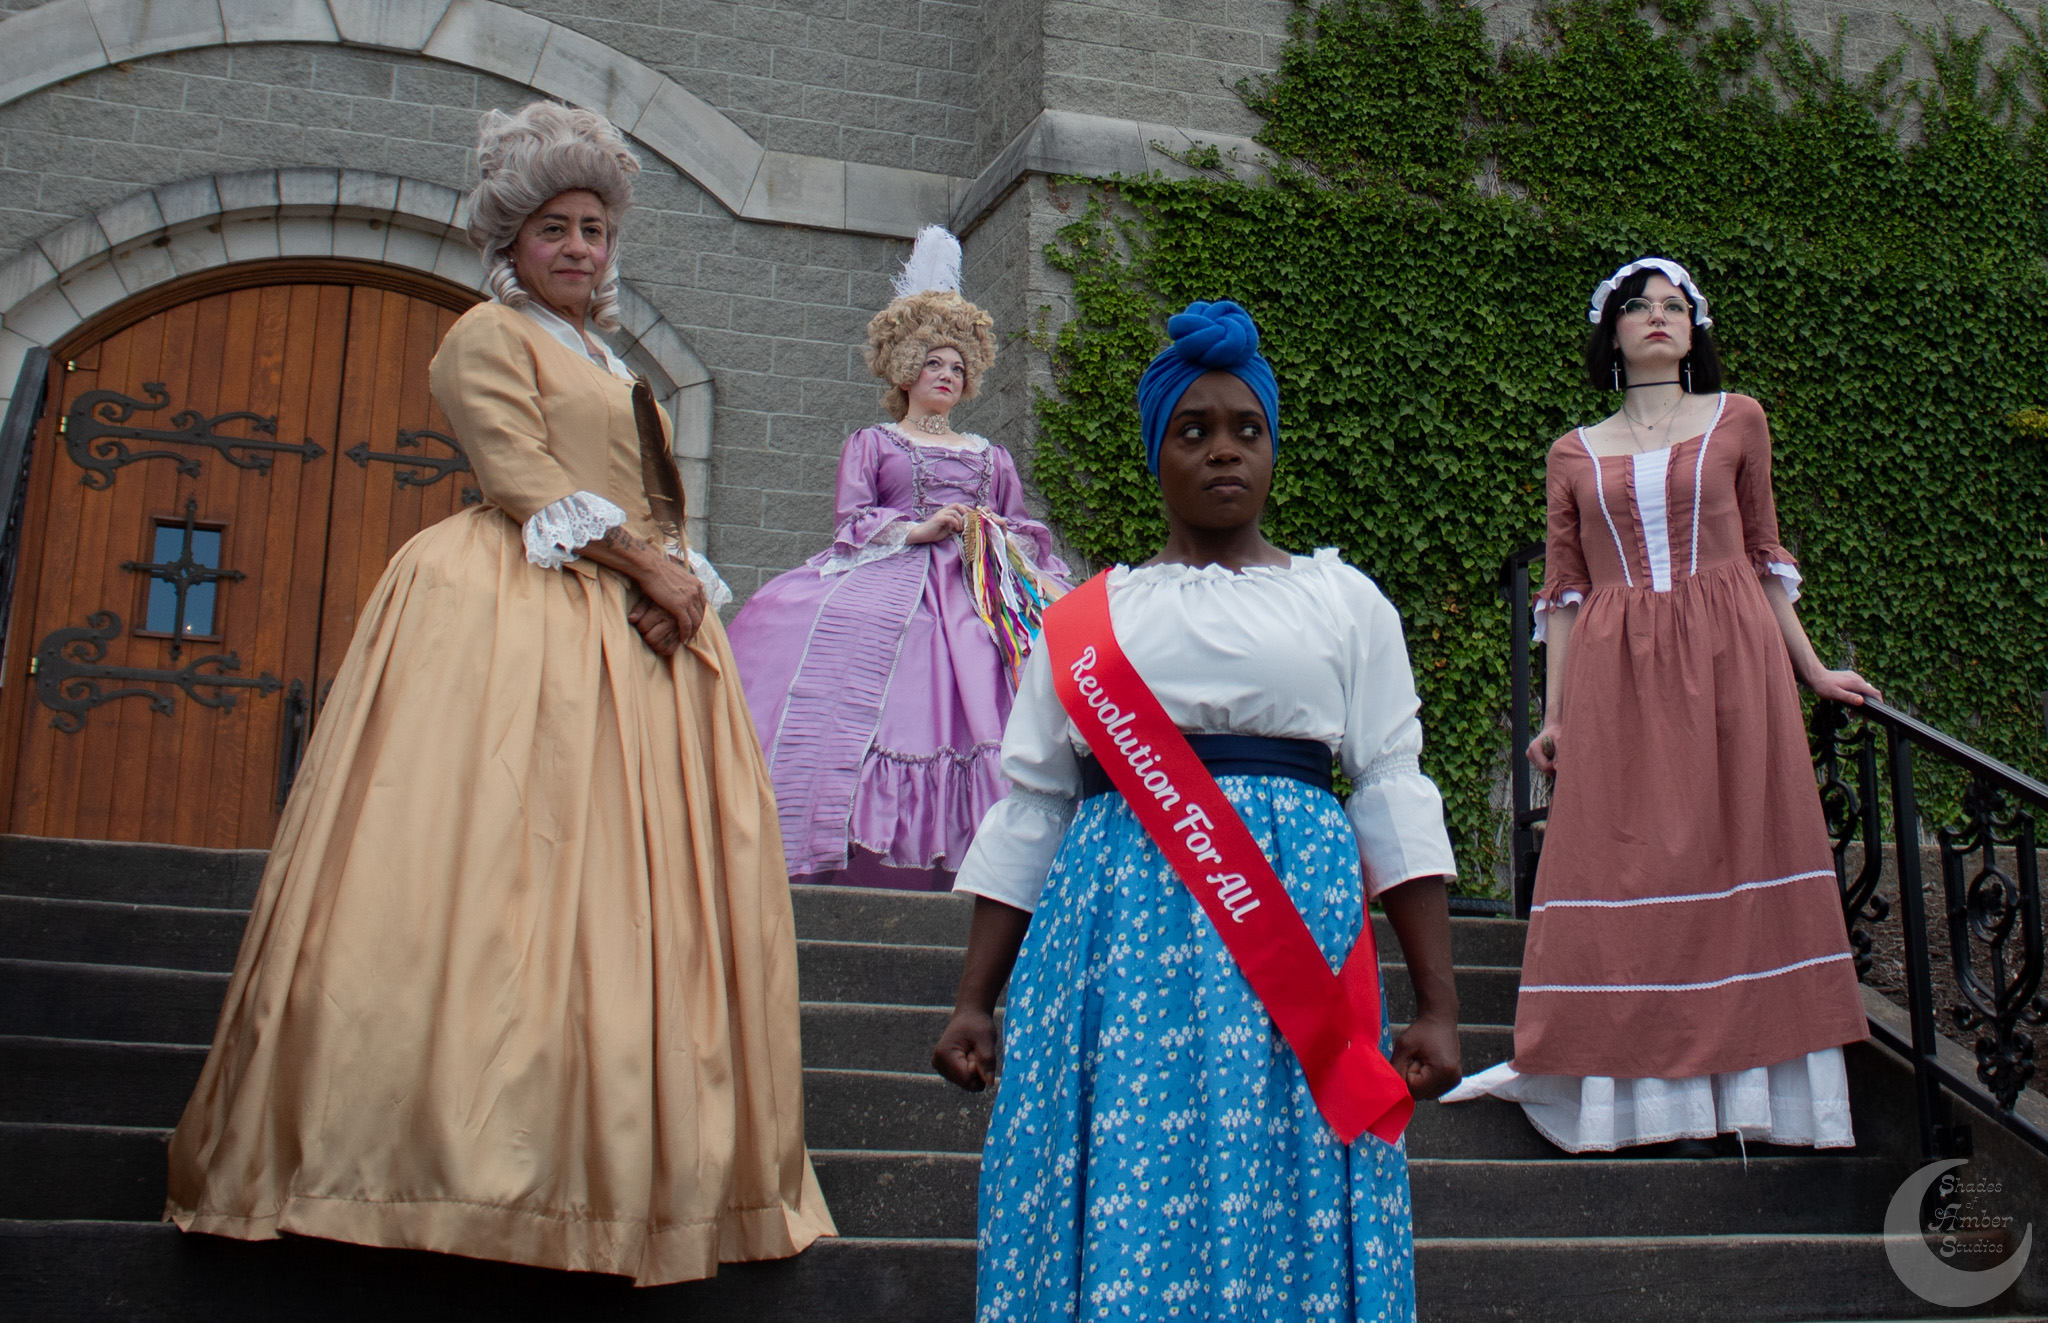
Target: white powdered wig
x,y
523,159
934,264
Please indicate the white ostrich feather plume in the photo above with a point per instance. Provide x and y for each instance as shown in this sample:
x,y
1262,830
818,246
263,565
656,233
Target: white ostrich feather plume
x,y
934,264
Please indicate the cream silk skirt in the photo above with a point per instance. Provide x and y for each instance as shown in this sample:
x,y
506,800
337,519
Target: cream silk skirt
x,y
520,982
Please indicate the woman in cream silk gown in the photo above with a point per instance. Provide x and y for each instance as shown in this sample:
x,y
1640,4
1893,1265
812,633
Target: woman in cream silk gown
x,y
520,982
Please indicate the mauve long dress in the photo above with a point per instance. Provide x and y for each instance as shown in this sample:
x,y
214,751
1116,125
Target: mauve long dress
x,y
1686,921
877,690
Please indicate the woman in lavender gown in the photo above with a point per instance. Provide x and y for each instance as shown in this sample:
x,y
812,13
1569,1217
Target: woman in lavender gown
x,y
881,671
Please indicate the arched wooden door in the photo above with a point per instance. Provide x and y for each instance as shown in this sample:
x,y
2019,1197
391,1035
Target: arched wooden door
x,y
219,477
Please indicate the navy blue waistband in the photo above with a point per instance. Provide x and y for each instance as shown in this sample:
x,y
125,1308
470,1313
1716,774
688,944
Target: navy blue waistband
x,y
1237,755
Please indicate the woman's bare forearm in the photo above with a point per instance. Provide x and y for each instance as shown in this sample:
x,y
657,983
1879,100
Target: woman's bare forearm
x,y
1557,646
622,550
1420,912
993,941
1805,661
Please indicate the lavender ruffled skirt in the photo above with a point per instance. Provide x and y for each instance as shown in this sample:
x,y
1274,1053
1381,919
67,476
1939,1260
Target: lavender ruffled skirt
x,y
880,700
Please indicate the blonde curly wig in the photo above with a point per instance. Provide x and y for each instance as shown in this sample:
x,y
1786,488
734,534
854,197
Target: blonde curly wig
x,y
902,334
523,159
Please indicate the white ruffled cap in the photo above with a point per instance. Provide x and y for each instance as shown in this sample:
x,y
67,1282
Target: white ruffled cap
x,y
1671,271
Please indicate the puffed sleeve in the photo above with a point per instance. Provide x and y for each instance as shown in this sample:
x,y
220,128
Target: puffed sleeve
x,y
1565,580
1021,833
1759,507
1031,537
865,528
484,379
1396,811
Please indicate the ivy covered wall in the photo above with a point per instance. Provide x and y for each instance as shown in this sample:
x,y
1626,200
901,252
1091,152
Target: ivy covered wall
x,y
1875,250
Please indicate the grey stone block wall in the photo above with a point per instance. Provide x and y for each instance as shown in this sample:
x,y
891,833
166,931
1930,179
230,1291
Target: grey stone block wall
x,y
1012,72
103,137
884,82
1166,61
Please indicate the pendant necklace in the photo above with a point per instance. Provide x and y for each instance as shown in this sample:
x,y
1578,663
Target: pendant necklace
x,y
933,424
1636,436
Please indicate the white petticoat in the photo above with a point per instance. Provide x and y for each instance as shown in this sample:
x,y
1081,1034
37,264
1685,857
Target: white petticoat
x,y
1804,1101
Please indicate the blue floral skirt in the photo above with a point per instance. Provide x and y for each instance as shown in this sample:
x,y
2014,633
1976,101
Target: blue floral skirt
x,y
1155,1152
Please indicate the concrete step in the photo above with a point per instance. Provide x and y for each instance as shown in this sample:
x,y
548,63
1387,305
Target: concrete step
x,y
94,1082
80,1269
1486,993
131,1270
129,873
874,1109
1606,1196
1671,1279
1473,941
866,914
116,1173
63,1081
112,1173
888,973
115,1002
862,1036
109,933
84,1082
900,1195
177,877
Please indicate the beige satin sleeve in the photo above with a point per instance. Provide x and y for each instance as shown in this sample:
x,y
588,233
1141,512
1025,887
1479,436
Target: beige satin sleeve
x,y
485,380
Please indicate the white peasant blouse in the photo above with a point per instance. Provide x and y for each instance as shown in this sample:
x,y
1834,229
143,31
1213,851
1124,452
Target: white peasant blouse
x,y
1310,650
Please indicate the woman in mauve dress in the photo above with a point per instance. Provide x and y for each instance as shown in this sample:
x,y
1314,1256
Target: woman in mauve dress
x,y
520,982
1688,971
879,684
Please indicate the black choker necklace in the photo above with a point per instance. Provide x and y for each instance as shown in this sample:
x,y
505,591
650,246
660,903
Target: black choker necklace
x,y
1642,385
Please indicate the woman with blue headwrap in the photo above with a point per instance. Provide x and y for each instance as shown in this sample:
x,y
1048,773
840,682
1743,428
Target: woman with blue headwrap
x,y
1155,1148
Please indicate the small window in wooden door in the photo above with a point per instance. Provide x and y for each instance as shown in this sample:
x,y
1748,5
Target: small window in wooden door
x,y
181,591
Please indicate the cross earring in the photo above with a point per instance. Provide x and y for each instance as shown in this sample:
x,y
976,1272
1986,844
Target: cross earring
x,y
1686,367
1617,375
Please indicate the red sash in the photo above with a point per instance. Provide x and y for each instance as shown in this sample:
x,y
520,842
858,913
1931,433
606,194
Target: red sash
x,y
1331,1021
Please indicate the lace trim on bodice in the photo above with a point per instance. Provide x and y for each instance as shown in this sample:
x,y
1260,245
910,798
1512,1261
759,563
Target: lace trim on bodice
x,y
921,454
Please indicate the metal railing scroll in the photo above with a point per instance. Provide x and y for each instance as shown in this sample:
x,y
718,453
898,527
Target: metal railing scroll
x,y
1527,840
1987,903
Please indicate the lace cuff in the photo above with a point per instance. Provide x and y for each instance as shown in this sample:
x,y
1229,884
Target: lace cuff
x,y
889,540
717,593
1787,574
557,532
1012,853
1398,817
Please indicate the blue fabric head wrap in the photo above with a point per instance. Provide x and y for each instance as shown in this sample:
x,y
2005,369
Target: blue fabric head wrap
x,y
1207,337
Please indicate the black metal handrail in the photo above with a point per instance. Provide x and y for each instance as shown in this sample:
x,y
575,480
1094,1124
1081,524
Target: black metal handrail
x,y
1992,916
17,438
1527,841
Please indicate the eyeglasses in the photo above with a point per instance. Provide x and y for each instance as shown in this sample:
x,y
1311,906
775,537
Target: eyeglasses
x,y
1672,307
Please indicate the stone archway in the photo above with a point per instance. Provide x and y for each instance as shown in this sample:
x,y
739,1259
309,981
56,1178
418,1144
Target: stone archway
x,y
212,221
64,38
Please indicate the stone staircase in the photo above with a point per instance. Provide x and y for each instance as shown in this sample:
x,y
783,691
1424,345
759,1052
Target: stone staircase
x,y
114,959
